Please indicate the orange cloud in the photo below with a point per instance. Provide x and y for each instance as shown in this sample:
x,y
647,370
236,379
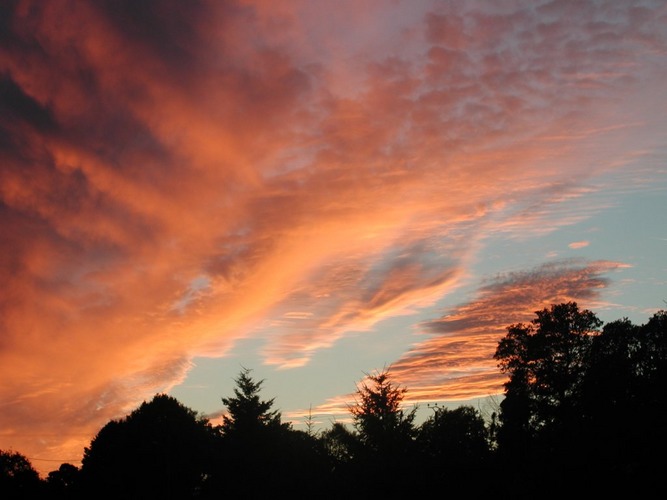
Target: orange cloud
x,y
176,176
455,362
579,244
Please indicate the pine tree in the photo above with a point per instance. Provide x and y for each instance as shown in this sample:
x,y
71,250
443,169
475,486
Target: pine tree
x,y
247,412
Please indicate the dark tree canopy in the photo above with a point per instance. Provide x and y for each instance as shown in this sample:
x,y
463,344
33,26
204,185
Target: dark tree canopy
x,y
247,412
18,478
64,482
546,362
258,453
583,400
378,414
386,433
455,437
582,413
455,451
623,393
340,443
158,451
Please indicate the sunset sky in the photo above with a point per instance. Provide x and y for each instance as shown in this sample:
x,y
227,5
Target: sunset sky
x,y
314,190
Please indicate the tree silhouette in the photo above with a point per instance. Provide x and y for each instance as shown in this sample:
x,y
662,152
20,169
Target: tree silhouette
x,y
584,401
158,451
259,455
18,479
386,433
546,363
247,413
340,443
579,403
342,448
378,415
622,395
455,437
64,482
455,449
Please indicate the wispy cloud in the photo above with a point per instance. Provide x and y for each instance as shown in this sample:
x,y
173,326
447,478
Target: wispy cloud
x,y
175,176
454,361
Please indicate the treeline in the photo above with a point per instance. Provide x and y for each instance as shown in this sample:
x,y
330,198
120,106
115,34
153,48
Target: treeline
x,y
582,413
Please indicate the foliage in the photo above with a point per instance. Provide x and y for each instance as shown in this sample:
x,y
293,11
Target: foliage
x,y
64,482
247,412
455,450
623,391
579,402
386,434
455,437
259,453
545,361
340,443
18,479
378,416
159,450
580,399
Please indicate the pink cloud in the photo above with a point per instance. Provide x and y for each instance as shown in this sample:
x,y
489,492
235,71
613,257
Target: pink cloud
x,y
176,176
455,361
461,344
579,244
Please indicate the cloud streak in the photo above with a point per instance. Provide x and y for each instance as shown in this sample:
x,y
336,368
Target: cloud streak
x,y
454,361
176,176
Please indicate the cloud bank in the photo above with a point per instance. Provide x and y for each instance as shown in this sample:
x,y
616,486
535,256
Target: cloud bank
x,y
174,174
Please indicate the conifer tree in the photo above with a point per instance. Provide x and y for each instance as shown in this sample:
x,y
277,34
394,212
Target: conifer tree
x,y
247,412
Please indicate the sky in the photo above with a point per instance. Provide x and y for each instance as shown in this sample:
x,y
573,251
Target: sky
x,y
315,191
